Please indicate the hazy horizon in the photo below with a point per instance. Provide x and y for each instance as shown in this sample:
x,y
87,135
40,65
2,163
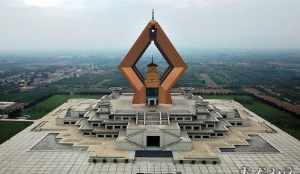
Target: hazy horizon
x,y
39,25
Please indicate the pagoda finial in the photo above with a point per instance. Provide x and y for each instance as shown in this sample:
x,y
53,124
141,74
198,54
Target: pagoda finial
x,y
153,14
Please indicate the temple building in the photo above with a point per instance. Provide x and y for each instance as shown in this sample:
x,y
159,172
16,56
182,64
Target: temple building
x,y
171,127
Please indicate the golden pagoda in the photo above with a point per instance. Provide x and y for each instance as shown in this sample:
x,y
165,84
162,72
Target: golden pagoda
x,y
152,77
152,83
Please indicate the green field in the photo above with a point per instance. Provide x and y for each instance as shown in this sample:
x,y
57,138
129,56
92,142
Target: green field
x,y
284,120
10,128
44,107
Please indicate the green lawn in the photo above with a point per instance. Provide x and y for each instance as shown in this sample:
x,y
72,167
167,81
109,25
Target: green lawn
x,y
10,128
284,120
44,107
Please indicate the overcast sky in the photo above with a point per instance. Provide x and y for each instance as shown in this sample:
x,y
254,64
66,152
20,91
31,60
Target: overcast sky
x,y
115,24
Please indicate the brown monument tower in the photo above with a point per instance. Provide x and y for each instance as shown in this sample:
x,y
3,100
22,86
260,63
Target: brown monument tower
x,y
154,89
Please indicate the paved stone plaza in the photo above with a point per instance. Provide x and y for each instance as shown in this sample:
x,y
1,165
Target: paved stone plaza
x,y
19,155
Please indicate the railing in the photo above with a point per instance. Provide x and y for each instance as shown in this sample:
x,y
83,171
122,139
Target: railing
x,y
152,118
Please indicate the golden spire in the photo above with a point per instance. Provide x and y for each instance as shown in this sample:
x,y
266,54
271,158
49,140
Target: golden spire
x,y
152,75
152,59
153,14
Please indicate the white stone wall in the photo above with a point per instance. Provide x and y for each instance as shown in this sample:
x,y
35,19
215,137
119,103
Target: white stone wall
x,y
169,139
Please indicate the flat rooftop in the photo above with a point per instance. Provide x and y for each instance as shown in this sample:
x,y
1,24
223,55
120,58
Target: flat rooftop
x,y
77,105
5,105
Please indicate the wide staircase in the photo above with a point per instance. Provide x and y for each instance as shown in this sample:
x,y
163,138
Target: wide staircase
x,y
152,118
136,135
140,118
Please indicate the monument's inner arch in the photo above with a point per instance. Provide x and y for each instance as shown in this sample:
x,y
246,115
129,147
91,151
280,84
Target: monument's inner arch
x,y
158,56
152,54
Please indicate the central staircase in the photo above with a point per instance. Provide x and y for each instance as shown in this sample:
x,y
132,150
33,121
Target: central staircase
x,y
152,118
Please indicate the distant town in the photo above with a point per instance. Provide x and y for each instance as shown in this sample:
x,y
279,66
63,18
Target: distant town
x,y
32,78
209,73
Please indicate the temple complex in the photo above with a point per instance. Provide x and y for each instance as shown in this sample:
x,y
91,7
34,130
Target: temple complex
x,y
152,118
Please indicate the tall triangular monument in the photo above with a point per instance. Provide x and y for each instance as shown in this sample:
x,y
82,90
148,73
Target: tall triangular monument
x,y
152,94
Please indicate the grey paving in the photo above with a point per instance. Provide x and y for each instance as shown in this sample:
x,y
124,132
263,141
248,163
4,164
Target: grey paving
x,y
17,157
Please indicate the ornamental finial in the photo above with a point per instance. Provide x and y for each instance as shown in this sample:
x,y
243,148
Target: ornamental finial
x,y
153,14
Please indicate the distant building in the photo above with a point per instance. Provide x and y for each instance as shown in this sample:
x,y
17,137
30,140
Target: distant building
x,y
11,109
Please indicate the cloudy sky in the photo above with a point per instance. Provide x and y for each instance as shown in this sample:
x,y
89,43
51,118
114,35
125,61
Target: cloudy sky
x,y
115,24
